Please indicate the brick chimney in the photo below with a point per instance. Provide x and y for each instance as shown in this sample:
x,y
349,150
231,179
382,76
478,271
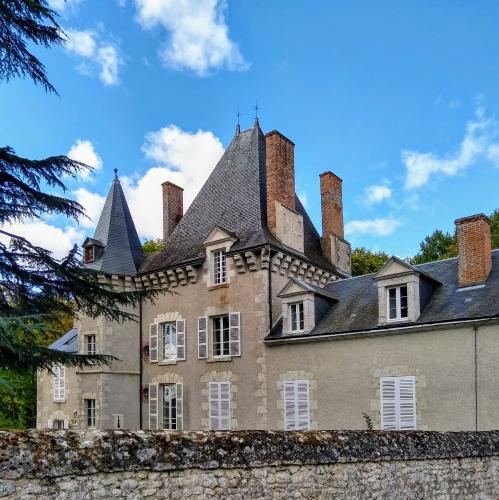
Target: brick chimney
x,y
280,159
173,207
334,247
474,249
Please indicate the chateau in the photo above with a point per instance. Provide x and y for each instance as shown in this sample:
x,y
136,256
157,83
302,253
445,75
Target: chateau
x,y
261,325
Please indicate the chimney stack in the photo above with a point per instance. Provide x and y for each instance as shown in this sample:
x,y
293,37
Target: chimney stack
x,y
334,247
173,207
474,249
280,159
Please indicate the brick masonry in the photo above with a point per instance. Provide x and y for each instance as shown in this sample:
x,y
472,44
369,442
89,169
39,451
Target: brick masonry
x,y
280,174
332,204
474,247
250,464
173,207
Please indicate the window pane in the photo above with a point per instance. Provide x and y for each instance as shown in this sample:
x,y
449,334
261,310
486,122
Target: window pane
x,y
392,302
169,407
403,302
301,316
169,341
294,319
217,337
219,267
225,336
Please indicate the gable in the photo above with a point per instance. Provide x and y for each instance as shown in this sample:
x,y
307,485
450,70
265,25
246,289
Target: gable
x,y
219,235
293,288
393,267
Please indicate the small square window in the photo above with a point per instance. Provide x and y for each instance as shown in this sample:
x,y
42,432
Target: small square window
x,y
397,303
219,267
91,344
297,317
89,254
221,336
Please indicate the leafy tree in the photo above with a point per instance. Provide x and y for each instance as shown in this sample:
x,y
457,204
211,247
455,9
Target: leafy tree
x,y
366,261
436,246
494,228
152,246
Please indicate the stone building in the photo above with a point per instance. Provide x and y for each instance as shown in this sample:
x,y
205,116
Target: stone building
x,y
260,325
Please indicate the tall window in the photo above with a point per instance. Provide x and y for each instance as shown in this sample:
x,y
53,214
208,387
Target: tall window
x,y
89,254
90,412
169,408
296,405
169,341
59,383
219,267
398,403
297,317
219,394
397,302
91,341
221,336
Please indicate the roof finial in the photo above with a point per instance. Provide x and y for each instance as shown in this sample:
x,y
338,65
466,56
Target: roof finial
x,y
238,126
255,107
116,173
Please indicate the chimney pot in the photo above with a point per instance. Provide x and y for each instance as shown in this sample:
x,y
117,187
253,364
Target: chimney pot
x,y
474,249
173,207
280,160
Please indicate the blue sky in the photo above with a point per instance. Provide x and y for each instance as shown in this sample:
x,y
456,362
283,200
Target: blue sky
x,y
400,99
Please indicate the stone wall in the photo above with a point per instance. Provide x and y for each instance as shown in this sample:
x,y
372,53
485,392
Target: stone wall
x,y
249,464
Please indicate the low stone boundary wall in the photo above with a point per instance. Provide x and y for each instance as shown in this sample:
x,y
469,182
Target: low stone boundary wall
x,y
249,464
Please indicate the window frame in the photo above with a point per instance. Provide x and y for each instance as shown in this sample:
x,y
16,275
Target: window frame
x,y
169,324
90,413
299,308
397,401
224,332
294,424
398,303
219,270
88,343
219,404
59,384
89,254
172,408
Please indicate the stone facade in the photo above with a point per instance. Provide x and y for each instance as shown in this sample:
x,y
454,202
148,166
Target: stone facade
x,y
341,465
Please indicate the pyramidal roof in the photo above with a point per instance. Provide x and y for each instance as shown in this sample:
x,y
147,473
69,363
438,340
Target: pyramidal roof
x,y
118,246
233,198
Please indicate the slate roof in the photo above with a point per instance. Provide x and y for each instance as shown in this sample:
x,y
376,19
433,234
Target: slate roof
x,y
233,198
122,252
67,343
356,308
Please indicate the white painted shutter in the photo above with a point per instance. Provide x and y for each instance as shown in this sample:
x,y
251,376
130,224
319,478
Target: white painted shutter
x,y
180,325
50,424
202,337
289,406
153,406
407,403
302,406
224,406
153,343
388,391
66,424
219,394
213,396
235,333
180,406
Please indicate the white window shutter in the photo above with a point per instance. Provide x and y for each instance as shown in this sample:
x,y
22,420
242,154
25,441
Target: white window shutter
x,y
407,403
219,403
224,406
153,343
153,406
180,325
66,424
180,406
289,406
50,424
213,404
235,333
388,389
302,406
202,337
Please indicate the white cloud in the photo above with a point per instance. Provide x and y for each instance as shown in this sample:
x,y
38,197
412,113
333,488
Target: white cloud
x,y
84,151
377,193
199,36
376,227
62,5
99,56
477,144
92,203
56,239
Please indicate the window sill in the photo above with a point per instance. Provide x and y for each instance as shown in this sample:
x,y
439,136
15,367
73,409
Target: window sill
x,y
58,401
167,362
217,287
222,359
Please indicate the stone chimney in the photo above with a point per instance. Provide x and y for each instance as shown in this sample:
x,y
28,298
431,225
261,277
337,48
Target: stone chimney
x,y
173,207
334,247
280,159
474,249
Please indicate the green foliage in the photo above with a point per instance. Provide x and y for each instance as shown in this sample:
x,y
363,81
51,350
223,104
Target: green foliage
x,y
152,245
436,246
494,228
366,261
23,23
17,399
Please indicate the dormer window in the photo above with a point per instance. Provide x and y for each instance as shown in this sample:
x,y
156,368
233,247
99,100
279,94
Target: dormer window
x,y
397,303
89,255
219,267
297,317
